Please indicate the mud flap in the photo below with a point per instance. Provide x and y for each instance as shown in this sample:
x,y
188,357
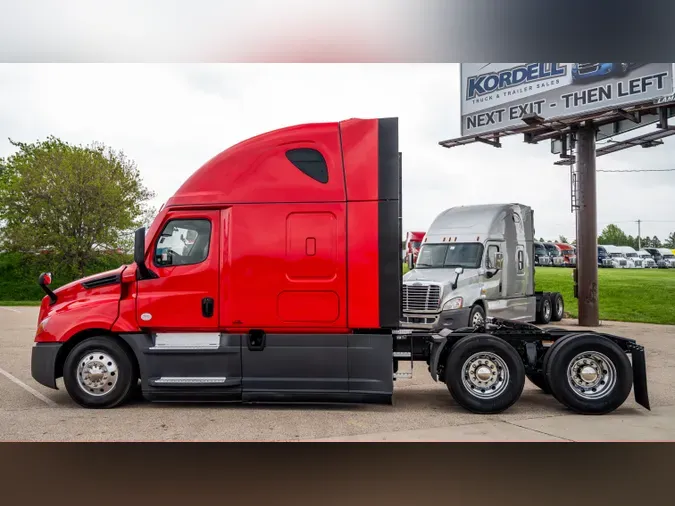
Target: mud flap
x,y
640,376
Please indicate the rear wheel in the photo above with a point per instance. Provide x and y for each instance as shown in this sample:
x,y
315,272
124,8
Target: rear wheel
x,y
484,374
545,310
98,373
539,379
558,307
589,374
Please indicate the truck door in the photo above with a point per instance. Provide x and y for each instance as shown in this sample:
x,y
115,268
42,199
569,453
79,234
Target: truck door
x,y
185,257
492,286
179,308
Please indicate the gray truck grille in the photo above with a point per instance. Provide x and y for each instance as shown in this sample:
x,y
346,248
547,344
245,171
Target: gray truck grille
x,y
622,262
421,298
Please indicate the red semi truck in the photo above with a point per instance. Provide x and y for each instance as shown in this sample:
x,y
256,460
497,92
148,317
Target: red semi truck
x,y
413,243
289,289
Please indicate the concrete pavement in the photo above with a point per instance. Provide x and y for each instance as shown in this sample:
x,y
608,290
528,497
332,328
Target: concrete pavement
x,y
422,411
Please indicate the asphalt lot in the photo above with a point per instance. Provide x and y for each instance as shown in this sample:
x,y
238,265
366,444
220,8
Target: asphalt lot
x,y
422,410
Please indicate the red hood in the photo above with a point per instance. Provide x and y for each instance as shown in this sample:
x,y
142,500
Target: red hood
x,y
67,289
74,292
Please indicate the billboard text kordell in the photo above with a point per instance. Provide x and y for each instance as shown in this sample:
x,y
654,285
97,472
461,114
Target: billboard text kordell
x,y
616,92
477,86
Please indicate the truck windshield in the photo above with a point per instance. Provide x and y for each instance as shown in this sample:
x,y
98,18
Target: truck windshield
x,y
552,250
539,250
442,256
631,255
616,255
416,244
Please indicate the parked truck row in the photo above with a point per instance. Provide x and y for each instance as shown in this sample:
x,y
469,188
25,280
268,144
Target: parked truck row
x,y
274,274
626,257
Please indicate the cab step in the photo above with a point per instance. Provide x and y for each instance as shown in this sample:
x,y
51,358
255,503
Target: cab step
x,y
403,375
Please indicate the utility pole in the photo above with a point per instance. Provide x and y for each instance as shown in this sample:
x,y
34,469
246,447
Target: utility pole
x,y
639,243
587,237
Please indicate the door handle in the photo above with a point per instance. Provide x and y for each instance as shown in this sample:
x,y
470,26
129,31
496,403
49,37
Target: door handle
x,y
207,307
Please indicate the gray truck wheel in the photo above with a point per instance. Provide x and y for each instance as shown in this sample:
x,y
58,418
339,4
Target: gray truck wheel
x,y
589,374
558,307
98,373
484,374
545,310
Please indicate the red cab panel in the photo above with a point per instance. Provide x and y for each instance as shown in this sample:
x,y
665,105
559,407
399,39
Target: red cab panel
x,y
284,266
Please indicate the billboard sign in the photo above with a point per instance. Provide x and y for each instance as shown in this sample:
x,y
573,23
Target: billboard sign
x,y
496,96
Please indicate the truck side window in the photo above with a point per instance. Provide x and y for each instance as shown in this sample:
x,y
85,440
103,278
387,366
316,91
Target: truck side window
x,y
490,259
310,162
183,242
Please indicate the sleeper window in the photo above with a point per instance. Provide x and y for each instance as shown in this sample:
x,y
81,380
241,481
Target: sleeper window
x,y
310,162
183,242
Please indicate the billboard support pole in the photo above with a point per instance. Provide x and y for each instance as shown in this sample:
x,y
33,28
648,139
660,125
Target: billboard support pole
x,y
587,233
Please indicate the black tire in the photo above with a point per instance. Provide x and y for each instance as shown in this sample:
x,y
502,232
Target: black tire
x,y
93,349
476,310
557,306
545,310
513,376
539,379
565,353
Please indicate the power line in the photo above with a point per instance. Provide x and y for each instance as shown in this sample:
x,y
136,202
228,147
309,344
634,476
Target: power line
x,y
638,170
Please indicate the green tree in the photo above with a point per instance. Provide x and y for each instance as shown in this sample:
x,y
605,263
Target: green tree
x,y
655,242
73,200
562,239
670,242
613,235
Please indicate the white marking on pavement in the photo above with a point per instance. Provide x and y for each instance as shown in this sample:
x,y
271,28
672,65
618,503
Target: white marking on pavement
x,y
10,309
28,389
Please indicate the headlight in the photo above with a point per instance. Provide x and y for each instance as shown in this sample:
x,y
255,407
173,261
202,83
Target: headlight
x,y
455,303
41,325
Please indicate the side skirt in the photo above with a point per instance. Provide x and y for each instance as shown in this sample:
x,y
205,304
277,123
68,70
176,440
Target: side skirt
x,y
287,368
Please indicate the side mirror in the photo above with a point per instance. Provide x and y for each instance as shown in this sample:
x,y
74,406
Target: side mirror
x,y
499,260
458,271
44,281
139,255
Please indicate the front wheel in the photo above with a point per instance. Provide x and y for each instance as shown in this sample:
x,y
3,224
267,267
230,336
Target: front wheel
x,y
589,374
98,373
484,374
477,317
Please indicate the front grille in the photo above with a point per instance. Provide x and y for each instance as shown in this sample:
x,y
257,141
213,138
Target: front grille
x,y
638,263
622,262
421,297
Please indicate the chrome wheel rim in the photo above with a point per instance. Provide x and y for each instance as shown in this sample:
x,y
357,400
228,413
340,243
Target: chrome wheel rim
x,y
591,375
559,310
97,373
547,310
477,319
485,375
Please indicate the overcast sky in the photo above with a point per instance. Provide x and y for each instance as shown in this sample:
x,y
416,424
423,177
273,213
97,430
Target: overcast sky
x,y
172,118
